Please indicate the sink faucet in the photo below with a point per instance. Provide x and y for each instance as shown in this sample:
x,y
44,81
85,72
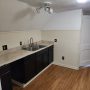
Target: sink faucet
x,y
31,41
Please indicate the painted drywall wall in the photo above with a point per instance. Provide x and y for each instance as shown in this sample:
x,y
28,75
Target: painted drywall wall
x,y
13,38
85,41
69,20
16,15
68,45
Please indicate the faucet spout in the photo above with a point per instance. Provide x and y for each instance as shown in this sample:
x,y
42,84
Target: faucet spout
x,y
31,41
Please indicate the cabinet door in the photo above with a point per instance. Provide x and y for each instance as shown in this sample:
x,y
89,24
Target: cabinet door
x,y
17,70
5,78
30,67
42,60
24,69
6,81
45,58
39,62
50,54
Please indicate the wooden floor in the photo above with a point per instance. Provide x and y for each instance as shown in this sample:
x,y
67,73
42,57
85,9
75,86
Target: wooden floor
x,y
60,78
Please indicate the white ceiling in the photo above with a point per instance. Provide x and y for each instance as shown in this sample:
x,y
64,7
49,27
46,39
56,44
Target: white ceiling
x,y
60,5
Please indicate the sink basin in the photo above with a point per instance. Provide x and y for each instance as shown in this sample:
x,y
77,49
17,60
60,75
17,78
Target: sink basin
x,y
34,48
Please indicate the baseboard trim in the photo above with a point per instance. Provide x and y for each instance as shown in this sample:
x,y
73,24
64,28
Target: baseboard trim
x,y
68,66
26,84
85,63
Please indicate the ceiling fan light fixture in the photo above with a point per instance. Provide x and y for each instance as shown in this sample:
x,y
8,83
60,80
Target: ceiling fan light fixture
x,y
82,1
45,6
51,11
47,9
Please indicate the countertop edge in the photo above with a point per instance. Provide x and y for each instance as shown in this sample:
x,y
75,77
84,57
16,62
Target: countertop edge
x,y
22,56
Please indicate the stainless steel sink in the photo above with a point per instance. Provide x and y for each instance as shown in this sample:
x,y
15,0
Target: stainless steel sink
x,y
33,48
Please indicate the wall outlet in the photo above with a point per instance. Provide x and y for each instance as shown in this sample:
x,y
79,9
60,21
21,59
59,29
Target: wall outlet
x,y
55,40
20,43
63,57
4,47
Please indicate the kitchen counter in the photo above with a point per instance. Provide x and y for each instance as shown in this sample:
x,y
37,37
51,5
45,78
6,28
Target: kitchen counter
x,y
12,55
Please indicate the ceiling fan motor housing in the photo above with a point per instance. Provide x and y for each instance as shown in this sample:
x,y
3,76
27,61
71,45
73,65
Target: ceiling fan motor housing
x,y
47,4
47,7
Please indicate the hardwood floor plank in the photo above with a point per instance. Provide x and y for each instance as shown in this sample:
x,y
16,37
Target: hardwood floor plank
x,y
60,78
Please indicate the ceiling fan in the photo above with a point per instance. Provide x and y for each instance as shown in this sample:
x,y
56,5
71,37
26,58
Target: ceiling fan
x,y
46,6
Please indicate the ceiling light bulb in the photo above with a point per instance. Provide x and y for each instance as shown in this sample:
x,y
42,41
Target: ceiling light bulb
x,y
47,9
81,1
51,10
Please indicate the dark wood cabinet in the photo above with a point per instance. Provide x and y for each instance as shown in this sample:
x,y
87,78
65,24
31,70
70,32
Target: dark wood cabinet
x,y
26,68
5,78
41,60
50,54
45,58
17,70
30,67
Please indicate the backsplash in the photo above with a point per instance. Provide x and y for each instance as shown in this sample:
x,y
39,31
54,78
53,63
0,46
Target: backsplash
x,y
12,38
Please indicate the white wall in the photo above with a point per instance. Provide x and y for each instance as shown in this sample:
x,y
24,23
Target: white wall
x,y
12,38
85,41
66,28
16,15
70,20
68,45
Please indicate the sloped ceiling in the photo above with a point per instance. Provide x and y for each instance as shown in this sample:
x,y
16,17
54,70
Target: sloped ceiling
x,y
60,5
